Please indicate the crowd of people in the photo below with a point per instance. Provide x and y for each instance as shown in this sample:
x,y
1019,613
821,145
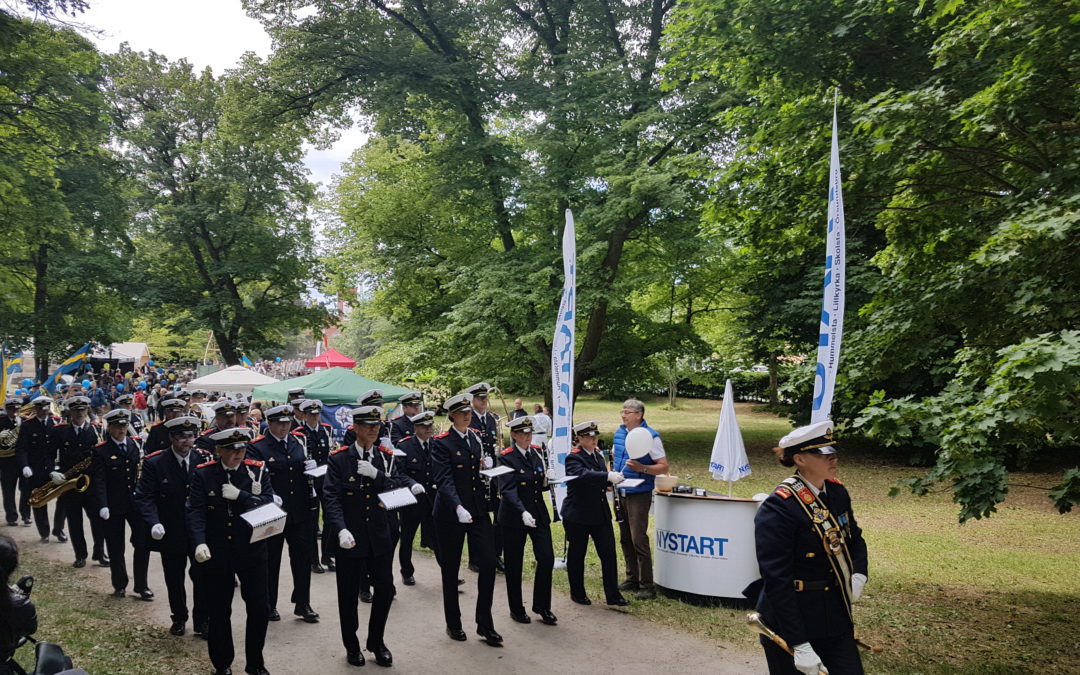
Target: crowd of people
x,y
183,486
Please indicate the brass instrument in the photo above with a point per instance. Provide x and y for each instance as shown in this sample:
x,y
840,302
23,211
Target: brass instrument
x,y
756,624
7,442
74,479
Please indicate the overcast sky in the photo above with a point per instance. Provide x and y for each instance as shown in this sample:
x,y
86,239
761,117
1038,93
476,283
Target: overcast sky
x,y
207,33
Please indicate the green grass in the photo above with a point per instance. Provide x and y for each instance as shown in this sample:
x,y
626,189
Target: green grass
x,y
999,595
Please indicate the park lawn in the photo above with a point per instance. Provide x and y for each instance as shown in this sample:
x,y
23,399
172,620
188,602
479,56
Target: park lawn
x,y
990,596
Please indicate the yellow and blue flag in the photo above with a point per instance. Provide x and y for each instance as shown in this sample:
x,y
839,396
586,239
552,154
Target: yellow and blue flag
x,y
68,365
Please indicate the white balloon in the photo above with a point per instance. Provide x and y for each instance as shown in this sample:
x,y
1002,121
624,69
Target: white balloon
x,y
638,442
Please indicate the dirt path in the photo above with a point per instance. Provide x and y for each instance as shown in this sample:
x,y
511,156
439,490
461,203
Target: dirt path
x,y
593,639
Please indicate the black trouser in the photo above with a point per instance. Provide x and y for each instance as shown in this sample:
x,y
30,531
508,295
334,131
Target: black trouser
x,y
315,528
577,538
173,566
839,654
41,514
219,595
514,540
296,533
451,536
74,503
367,577
350,573
114,537
24,498
10,473
417,516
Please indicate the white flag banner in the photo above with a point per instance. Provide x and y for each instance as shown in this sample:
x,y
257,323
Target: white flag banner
x,y
728,461
832,305
562,362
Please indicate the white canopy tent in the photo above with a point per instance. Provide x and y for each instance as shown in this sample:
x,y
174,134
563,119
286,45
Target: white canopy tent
x,y
124,352
232,380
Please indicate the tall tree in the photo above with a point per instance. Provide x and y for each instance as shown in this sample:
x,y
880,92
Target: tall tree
x,y
224,238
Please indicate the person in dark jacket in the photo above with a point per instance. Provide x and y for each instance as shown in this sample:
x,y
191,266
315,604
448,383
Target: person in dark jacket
x,y
417,465
812,558
18,617
32,453
585,514
70,445
402,425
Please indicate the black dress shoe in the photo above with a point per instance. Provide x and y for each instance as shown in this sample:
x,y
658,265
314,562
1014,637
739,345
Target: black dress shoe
x,y
317,568
257,671
201,628
274,616
103,561
27,522
581,601
619,602
629,586
227,671
14,524
305,612
331,566
44,540
460,582
499,566
365,596
546,617
473,567
177,628
490,636
79,562
60,536
119,593
456,634
145,594
355,658
383,657
409,580
520,617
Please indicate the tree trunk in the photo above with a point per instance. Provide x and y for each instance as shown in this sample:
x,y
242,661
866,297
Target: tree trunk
x,y
672,393
774,387
227,347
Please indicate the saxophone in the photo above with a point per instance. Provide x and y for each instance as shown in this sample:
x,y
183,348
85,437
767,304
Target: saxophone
x,y
74,479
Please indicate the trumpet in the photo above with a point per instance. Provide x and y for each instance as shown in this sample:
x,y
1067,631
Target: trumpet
x,y
74,479
755,623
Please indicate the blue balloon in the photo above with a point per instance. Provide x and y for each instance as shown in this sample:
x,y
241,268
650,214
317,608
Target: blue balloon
x,y
119,387
278,359
142,385
86,384
27,382
20,392
150,362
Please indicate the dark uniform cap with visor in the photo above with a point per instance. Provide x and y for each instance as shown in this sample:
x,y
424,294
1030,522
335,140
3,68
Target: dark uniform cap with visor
x,y
173,404
459,402
371,397
310,405
279,413
522,425
224,407
77,403
367,414
426,418
231,439
118,416
179,425
590,428
816,438
411,397
480,389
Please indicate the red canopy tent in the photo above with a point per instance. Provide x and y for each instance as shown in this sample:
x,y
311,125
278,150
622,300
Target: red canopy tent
x,y
329,359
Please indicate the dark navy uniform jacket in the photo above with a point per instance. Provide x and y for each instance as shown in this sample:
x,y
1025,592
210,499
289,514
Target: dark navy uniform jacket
x,y
116,472
202,441
487,429
455,465
70,446
286,465
522,490
318,441
31,446
217,522
157,438
401,428
161,497
416,463
586,497
789,548
350,434
351,501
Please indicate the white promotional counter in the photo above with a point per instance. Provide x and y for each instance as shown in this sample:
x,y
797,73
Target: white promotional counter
x,y
704,544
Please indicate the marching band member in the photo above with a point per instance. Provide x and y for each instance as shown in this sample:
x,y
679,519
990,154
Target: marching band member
x,y
284,454
523,514
355,476
126,401
402,426
10,469
370,397
72,443
161,497
460,511
812,558
221,492
158,437
417,465
224,418
486,425
117,461
317,435
585,514
32,451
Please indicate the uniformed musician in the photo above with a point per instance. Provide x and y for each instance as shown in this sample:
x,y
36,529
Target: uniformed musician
x,y
812,558
417,465
486,425
460,511
158,436
221,492
71,443
370,397
224,418
523,514
32,452
161,497
317,438
117,461
286,459
126,401
10,469
355,476
402,425
585,514
243,408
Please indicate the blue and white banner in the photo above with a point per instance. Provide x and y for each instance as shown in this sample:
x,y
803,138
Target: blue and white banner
x,y
562,361
832,305
339,419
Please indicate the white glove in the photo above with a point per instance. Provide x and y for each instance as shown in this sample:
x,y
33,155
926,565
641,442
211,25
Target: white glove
x,y
417,489
229,491
104,513
27,472
487,462
527,518
157,532
614,477
463,515
550,475
202,553
277,499
345,539
309,465
366,468
807,661
857,582
56,477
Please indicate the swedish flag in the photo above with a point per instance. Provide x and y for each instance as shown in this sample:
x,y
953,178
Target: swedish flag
x,y
68,365
245,360
8,367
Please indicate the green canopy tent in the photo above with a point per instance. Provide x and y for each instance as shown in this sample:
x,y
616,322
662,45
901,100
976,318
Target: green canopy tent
x,y
334,386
